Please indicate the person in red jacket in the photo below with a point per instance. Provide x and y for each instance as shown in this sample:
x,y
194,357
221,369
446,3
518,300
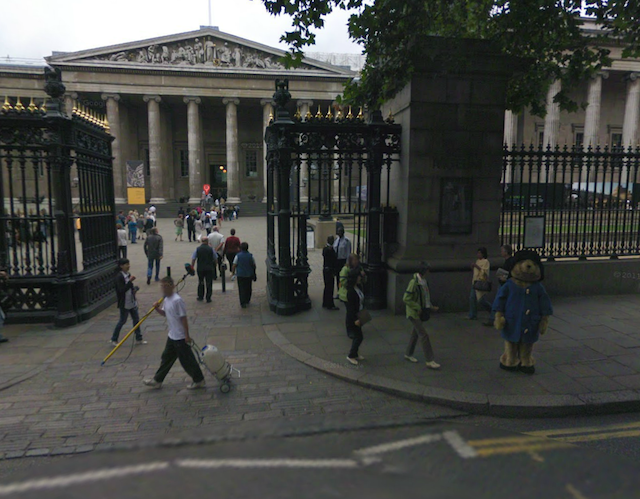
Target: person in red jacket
x,y
232,247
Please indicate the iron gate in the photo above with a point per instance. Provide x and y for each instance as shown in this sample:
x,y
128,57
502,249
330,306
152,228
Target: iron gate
x,y
57,273
328,166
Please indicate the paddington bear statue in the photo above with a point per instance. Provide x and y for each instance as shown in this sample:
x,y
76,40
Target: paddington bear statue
x,y
522,309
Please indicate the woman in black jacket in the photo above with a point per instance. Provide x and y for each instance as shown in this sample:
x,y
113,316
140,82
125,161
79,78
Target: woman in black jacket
x,y
355,303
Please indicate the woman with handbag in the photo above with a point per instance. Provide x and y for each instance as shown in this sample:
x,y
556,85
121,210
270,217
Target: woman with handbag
x,y
355,304
480,285
418,304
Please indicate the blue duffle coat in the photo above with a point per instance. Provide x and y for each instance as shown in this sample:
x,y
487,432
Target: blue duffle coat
x,y
523,309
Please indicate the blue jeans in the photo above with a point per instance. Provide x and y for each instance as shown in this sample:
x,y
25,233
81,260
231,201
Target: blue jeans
x,y
133,235
474,302
150,268
124,314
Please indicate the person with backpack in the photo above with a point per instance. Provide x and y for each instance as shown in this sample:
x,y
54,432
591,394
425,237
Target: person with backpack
x,y
418,304
244,266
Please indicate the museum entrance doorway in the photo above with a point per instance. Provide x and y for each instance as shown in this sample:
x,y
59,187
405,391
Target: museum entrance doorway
x,y
218,178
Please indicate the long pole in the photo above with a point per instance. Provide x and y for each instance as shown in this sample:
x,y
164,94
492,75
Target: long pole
x,y
135,328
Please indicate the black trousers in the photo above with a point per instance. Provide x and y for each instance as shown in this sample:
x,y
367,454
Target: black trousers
x,y
244,289
339,264
355,333
327,296
174,350
216,265
205,282
122,251
230,258
191,231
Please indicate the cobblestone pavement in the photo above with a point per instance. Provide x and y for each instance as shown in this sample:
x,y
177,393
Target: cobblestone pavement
x,y
56,399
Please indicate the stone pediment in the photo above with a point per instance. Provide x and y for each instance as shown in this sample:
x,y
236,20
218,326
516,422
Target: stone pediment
x,y
207,48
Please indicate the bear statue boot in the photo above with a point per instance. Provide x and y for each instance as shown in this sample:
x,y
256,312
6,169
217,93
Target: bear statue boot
x,y
527,362
510,359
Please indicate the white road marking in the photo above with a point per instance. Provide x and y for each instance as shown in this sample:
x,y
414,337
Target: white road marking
x,y
459,445
400,444
267,463
78,478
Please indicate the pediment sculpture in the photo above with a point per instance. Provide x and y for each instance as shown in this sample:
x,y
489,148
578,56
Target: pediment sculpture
x,y
202,51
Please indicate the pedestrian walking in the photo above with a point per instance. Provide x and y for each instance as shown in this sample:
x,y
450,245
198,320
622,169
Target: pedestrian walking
x,y
133,230
206,258
342,247
417,299
232,247
328,273
504,272
191,226
121,234
480,286
127,303
178,346
353,261
140,223
355,303
206,223
149,223
3,280
179,223
153,248
244,267
216,241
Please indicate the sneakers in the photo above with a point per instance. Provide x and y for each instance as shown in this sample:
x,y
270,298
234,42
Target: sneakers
x,y
195,386
433,365
148,280
360,358
113,343
353,361
411,359
141,342
152,383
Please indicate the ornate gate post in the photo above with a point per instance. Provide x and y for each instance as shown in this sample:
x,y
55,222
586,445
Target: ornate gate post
x,y
375,288
285,292
60,155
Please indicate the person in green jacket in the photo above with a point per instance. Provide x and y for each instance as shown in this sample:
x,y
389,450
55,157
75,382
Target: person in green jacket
x,y
353,261
417,297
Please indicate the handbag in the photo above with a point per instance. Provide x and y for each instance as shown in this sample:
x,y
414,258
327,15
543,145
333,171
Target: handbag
x,y
364,316
482,286
425,314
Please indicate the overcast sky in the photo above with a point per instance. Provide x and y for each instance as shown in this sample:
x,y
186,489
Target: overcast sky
x,y
35,28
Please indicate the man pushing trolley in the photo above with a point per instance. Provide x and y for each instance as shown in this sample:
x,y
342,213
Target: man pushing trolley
x,y
178,345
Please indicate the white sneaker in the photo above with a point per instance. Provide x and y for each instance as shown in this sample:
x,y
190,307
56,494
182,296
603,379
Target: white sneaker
x,y
141,342
360,357
152,383
433,365
353,361
195,386
411,359
113,343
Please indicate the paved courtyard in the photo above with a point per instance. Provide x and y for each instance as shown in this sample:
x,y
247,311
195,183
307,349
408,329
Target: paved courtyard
x,y
55,398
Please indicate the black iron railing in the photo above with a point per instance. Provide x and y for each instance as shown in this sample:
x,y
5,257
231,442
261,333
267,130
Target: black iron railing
x,y
57,273
590,200
330,166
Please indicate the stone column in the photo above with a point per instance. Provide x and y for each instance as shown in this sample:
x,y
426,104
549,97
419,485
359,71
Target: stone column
x,y
155,148
304,106
194,138
510,129
119,177
267,112
70,99
631,111
233,173
592,114
552,119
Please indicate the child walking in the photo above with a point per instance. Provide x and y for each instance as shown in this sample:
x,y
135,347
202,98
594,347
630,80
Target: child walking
x,y
178,345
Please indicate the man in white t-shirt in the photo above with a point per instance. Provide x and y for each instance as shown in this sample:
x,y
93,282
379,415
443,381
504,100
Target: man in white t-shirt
x,y
216,241
179,342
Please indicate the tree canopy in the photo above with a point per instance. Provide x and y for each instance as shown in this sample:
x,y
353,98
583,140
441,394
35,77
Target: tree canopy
x,y
548,32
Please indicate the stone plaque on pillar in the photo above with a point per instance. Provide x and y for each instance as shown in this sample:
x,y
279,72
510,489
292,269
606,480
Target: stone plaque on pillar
x,y
456,206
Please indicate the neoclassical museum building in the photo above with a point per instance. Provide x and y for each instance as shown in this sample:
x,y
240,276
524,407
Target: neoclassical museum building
x,y
187,109
190,109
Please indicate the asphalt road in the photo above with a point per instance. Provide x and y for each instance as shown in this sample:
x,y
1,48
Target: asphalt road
x,y
434,460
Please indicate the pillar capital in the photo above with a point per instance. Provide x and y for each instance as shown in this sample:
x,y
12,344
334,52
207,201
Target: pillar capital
x,y
192,98
115,97
149,98
633,76
267,102
72,95
304,102
231,100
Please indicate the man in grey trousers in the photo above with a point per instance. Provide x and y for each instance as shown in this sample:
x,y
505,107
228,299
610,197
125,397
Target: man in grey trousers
x,y
153,247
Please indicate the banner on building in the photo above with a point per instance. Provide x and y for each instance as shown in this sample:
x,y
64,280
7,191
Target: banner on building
x,y
135,182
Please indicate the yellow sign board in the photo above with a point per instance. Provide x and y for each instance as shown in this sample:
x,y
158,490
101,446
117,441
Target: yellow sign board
x,y
136,195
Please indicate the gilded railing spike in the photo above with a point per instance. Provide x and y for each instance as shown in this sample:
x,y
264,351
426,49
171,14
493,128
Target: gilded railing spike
x,y
32,107
19,107
6,107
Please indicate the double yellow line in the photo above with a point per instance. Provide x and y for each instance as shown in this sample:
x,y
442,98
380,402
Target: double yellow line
x,y
590,434
514,445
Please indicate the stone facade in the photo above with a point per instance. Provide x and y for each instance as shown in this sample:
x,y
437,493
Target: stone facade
x,y
193,107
